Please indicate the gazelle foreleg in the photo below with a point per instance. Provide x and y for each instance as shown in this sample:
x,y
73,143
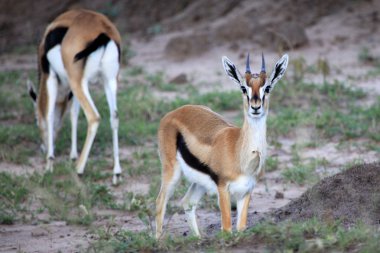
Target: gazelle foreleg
x,y
225,207
242,212
74,113
52,90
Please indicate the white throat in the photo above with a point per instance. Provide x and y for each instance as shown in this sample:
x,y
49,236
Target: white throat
x,y
254,141
257,132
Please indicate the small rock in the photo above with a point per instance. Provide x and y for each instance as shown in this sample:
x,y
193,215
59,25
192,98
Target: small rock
x,y
38,232
180,79
279,195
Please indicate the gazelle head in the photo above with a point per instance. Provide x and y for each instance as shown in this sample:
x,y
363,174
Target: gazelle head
x,y
40,101
256,87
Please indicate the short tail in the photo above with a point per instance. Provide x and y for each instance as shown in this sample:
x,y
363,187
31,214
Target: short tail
x,y
100,41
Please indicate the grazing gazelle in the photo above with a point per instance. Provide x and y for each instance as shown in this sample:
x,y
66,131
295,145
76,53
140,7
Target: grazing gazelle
x,y
78,47
214,155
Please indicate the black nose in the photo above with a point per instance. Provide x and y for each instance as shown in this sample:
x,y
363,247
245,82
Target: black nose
x,y
256,108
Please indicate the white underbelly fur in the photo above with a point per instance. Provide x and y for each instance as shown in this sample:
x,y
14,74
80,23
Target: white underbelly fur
x,y
195,176
238,188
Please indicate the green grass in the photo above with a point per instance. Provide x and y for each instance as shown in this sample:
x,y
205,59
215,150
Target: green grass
x,y
308,236
61,193
333,109
12,196
300,173
271,164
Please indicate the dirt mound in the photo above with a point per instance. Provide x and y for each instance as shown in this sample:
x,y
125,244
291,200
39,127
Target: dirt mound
x,y
351,196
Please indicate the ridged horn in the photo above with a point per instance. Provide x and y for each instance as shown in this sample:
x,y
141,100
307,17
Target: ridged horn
x,y
262,63
247,67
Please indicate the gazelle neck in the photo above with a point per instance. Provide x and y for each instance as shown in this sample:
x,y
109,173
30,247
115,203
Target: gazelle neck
x,y
253,143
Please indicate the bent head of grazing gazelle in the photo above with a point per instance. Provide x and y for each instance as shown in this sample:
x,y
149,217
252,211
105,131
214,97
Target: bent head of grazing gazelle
x,y
78,47
214,155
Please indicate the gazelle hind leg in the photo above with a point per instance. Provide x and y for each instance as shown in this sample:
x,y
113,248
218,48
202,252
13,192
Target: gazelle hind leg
x,y
190,202
74,113
110,90
52,89
110,69
170,178
83,95
79,81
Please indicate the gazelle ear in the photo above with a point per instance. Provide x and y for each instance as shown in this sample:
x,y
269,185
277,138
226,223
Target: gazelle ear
x,y
31,90
233,73
278,72
231,70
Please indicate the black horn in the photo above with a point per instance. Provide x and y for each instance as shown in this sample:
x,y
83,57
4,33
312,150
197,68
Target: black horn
x,y
247,67
262,63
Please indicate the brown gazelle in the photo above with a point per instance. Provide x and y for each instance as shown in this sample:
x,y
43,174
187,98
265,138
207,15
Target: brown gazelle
x,y
78,47
214,155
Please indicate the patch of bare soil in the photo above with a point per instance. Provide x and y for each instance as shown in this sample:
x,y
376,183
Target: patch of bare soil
x,y
53,237
350,196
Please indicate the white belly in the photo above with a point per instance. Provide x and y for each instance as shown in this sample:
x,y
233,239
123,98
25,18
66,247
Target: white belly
x,y
238,188
194,176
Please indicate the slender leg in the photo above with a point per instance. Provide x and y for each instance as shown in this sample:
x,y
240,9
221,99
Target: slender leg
x,y
242,212
110,90
110,67
190,202
52,89
82,93
74,113
170,177
225,207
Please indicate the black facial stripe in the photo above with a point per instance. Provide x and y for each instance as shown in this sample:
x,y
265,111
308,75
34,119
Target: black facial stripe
x,y
263,100
232,71
193,161
248,99
243,89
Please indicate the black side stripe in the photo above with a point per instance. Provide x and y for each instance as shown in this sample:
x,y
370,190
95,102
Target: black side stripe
x,y
53,38
100,41
193,161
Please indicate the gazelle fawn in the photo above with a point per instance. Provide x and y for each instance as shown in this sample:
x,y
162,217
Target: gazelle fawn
x,y
214,155
78,47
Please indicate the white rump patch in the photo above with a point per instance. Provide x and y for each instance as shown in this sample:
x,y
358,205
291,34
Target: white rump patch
x,y
54,57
